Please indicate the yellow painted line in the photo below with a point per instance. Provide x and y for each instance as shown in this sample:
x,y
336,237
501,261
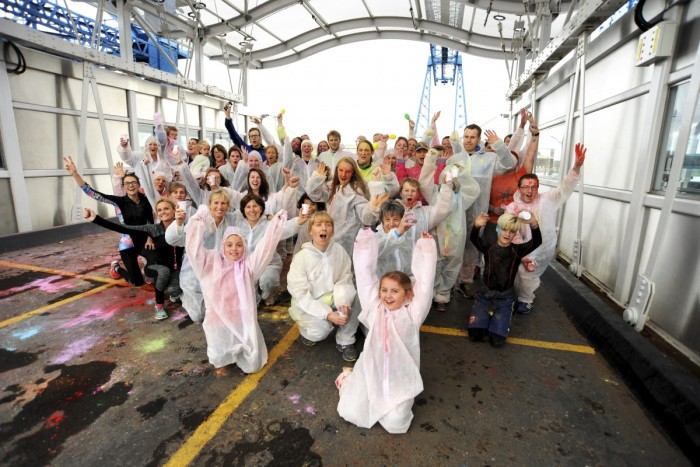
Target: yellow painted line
x,y
516,340
58,272
210,427
29,314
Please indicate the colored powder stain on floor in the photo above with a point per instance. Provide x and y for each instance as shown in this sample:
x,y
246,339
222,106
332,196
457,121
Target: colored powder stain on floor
x,y
79,347
104,313
26,333
179,315
154,345
68,404
46,284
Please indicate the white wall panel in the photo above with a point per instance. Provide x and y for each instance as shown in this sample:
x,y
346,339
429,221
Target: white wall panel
x,y
7,209
615,74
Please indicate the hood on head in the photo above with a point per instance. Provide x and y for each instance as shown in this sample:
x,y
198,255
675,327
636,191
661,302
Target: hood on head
x,y
227,233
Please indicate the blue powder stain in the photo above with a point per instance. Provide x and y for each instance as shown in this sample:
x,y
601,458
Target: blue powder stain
x,y
26,334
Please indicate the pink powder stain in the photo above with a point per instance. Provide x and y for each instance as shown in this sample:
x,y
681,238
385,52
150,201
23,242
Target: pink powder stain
x,y
55,419
178,316
76,348
45,285
295,398
310,409
102,314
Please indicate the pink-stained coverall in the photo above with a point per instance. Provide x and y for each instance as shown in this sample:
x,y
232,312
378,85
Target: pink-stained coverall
x,y
386,377
231,320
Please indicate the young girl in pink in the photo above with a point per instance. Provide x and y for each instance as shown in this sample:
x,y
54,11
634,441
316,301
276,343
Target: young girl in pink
x,y
227,278
386,377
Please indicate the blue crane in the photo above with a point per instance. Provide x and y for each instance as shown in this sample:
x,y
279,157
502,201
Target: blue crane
x,y
445,67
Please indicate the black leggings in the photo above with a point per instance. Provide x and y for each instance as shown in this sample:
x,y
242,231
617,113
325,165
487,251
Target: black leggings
x,y
165,280
130,257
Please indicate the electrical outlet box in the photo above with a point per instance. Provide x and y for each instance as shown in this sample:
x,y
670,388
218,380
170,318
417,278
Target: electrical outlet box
x,y
657,43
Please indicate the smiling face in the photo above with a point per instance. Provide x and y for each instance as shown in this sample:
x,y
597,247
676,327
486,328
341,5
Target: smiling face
x,y
254,181
400,148
528,189
323,146
253,161
253,211
204,149
364,153
234,247
392,294
172,134
296,144
218,205
344,171
419,156
160,183
192,146
271,154
334,142
321,233
218,155
131,185
234,158
409,194
505,237
470,140
306,149
390,221
178,194
165,211
153,148
392,158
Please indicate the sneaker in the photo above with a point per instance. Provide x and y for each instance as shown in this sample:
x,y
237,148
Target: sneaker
x,y
477,272
349,352
496,340
524,308
174,298
466,289
440,307
113,270
161,313
307,342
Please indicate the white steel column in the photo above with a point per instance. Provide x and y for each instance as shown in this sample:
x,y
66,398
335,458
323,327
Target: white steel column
x,y
124,21
11,150
638,309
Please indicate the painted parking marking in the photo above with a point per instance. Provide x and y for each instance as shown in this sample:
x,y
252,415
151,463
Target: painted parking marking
x,y
59,272
516,340
29,314
210,427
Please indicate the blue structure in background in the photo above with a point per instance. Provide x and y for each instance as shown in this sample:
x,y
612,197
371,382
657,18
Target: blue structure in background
x,y
445,67
54,19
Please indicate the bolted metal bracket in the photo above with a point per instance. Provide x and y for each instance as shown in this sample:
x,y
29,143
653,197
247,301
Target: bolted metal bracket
x,y
576,267
636,312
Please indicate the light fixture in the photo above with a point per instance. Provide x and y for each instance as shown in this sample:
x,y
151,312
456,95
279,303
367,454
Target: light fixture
x,y
199,5
499,17
192,14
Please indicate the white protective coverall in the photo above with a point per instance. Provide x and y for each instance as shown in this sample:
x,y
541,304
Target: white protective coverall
x,y
269,279
320,281
451,232
192,298
386,377
231,321
544,206
482,166
349,210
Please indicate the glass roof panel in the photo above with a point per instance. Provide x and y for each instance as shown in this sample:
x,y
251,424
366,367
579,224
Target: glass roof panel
x,y
333,11
289,23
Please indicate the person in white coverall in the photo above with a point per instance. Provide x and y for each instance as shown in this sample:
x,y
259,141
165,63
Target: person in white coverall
x,y
545,206
386,378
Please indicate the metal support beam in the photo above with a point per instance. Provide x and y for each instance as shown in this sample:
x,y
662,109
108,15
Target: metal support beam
x,y
47,43
124,21
640,302
591,15
11,150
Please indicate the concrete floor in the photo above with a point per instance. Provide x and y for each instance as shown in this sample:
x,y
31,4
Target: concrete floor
x,y
88,377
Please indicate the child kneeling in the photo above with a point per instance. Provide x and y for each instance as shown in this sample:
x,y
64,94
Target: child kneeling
x,y
227,278
386,378
320,283
494,303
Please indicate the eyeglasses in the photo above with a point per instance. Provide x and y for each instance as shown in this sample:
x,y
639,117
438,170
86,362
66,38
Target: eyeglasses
x,y
131,183
529,187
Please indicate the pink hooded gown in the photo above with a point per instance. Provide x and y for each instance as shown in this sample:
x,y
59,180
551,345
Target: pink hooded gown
x,y
386,377
231,319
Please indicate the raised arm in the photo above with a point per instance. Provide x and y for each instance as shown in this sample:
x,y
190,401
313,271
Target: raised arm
x,y
232,133
364,257
200,258
261,257
423,269
426,180
150,229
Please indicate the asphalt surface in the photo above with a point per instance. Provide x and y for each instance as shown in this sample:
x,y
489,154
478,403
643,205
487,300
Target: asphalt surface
x,y
88,377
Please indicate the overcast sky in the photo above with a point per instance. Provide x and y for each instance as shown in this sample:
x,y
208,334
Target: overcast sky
x,y
367,87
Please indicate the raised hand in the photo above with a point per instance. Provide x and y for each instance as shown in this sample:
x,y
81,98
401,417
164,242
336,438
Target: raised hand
x,y
377,173
119,169
580,154
70,165
481,220
322,169
426,235
491,136
379,200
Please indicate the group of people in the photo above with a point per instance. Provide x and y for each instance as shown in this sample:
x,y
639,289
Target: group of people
x,y
382,237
